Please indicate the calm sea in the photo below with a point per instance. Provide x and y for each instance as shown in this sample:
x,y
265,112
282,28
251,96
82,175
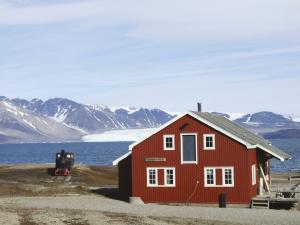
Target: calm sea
x,y
292,147
103,153
95,153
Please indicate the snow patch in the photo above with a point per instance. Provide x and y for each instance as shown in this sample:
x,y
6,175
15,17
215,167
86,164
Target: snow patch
x,y
113,109
253,123
119,135
131,109
234,116
60,115
30,124
12,109
249,118
288,117
98,107
296,119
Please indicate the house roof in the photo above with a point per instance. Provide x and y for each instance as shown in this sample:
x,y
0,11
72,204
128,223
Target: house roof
x,y
250,139
227,127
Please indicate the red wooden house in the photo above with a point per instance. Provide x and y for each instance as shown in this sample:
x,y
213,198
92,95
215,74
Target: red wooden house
x,y
193,159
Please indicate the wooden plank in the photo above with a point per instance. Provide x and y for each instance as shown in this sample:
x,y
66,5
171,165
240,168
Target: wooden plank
x,y
264,177
260,203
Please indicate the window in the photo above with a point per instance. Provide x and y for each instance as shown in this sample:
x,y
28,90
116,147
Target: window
x,y
170,177
228,179
253,169
169,142
189,148
210,177
209,141
167,173
152,177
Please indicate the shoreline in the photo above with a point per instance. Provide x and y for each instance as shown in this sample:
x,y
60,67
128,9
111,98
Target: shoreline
x,y
28,165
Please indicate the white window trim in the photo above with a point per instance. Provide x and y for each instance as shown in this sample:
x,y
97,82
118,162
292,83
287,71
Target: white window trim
x,y
181,148
253,174
204,141
205,177
174,177
165,142
156,177
165,176
223,177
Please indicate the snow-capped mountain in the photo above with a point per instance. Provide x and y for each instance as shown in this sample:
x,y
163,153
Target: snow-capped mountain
x,y
18,124
95,118
262,122
264,118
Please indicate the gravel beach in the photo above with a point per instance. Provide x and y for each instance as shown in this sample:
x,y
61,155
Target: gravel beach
x,y
97,205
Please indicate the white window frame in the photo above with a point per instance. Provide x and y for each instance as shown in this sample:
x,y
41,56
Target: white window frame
x,y
223,176
156,177
214,141
174,177
165,176
181,148
205,177
232,176
165,142
253,174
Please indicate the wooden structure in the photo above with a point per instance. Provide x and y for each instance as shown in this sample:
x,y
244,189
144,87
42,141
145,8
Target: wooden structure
x,y
196,158
277,202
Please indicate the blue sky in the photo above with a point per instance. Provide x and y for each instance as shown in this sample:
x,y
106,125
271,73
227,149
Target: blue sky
x,y
233,56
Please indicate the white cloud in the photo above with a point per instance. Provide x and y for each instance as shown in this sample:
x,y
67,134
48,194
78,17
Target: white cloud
x,y
171,20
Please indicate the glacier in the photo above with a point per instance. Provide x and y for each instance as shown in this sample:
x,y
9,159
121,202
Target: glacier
x,y
119,135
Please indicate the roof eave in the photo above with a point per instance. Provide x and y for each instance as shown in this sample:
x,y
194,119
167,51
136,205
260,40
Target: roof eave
x,y
281,158
116,161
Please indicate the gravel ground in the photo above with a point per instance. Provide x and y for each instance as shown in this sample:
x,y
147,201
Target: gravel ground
x,y
100,210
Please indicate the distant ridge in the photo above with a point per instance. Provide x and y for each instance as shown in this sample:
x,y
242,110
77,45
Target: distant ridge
x,y
61,119
264,122
92,118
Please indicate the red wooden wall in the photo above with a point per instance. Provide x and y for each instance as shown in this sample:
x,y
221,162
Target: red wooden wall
x,y
228,152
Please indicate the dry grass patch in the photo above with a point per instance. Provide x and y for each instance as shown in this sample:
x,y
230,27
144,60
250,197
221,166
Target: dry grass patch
x,y
37,180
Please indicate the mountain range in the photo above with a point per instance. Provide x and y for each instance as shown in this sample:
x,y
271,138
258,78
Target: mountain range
x,y
263,122
60,119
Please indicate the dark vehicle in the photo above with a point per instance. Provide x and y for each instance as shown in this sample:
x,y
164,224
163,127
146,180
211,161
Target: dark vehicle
x,y
63,163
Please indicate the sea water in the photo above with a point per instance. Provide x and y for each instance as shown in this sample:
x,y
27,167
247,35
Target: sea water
x,y
103,153
91,153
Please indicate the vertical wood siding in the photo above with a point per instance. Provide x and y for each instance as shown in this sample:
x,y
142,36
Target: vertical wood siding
x,y
228,152
125,179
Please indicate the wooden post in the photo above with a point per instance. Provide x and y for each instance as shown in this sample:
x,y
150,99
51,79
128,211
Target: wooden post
x,y
264,177
261,186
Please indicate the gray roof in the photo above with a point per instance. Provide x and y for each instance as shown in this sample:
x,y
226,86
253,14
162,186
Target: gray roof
x,y
242,133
